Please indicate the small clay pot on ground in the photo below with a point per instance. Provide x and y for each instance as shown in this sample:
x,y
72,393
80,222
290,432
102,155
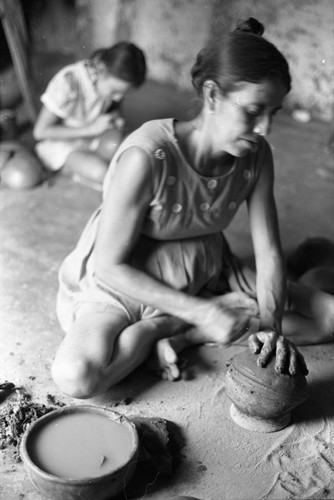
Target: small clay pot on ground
x,y
20,169
96,486
262,399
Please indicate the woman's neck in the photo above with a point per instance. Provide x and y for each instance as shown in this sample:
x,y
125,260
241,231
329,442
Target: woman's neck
x,y
195,144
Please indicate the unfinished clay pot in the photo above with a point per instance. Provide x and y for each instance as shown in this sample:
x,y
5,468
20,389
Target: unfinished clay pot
x,y
262,400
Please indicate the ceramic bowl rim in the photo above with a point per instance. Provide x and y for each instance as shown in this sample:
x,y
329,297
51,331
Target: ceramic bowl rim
x,y
111,414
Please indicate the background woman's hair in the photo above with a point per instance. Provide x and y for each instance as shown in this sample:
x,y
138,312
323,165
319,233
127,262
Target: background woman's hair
x,y
242,55
123,60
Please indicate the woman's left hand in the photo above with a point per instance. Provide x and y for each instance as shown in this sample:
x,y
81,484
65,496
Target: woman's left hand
x,y
288,358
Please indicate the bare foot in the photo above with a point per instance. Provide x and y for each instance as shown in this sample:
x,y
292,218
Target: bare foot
x,y
164,358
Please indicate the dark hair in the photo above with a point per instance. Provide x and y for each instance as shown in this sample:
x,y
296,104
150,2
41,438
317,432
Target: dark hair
x,y
242,55
123,60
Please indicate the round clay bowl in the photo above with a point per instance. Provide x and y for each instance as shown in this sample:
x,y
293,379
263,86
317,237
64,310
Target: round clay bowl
x,y
77,439
22,170
262,400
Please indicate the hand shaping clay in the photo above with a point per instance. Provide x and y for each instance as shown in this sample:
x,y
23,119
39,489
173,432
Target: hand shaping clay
x,y
262,400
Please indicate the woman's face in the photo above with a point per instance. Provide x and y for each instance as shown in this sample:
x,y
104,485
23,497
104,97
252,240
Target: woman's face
x,y
111,87
239,118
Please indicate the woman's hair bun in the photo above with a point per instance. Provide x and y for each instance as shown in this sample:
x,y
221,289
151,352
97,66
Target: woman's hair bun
x,y
251,26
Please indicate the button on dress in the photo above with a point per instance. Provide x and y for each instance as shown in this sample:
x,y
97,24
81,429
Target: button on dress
x,y
182,238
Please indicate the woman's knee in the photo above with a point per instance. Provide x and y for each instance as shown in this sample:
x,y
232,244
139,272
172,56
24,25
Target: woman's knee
x,y
109,143
98,170
86,164
77,378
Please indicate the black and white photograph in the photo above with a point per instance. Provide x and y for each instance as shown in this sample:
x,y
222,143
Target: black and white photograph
x,y
167,250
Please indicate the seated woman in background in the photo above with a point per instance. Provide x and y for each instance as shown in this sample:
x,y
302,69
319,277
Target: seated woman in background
x,y
79,126
152,270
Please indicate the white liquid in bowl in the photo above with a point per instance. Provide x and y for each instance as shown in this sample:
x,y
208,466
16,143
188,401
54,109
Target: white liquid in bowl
x,y
80,445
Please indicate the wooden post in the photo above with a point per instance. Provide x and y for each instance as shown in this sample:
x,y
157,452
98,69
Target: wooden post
x,y
16,35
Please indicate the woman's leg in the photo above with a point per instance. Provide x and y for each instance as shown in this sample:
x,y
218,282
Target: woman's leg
x,y
108,144
309,311
102,349
86,167
90,167
310,318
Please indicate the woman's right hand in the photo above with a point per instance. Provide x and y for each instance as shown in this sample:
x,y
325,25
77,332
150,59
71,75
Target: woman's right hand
x,y
224,319
50,126
101,124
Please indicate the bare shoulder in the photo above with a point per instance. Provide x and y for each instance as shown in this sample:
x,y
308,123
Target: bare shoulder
x,y
132,178
135,156
134,165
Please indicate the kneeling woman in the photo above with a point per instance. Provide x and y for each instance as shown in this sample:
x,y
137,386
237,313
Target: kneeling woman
x,y
152,268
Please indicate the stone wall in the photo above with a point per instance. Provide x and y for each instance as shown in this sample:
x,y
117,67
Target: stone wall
x,y
171,32
304,31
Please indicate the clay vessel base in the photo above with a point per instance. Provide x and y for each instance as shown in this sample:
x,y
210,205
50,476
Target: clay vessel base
x,y
259,424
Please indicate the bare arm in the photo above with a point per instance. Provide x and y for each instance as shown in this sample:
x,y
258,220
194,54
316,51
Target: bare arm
x,y
121,221
120,226
50,126
271,276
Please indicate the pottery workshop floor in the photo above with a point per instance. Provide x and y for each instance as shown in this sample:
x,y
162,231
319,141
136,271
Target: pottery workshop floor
x,y
218,460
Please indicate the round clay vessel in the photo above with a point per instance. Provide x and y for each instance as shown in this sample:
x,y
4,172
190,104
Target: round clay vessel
x,y
22,170
80,451
262,400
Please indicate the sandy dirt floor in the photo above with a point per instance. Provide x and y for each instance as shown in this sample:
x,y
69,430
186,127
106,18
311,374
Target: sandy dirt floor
x,y
217,459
